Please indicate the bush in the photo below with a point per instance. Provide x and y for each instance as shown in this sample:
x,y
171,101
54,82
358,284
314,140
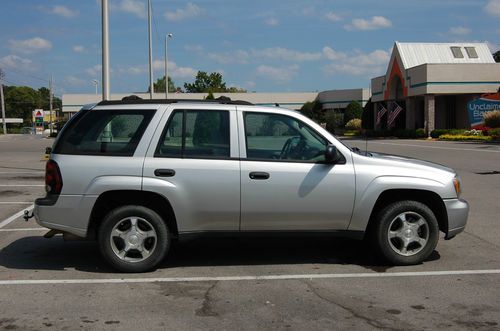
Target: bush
x,y
420,133
333,120
438,132
400,133
354,124
353,110
492,119
461,137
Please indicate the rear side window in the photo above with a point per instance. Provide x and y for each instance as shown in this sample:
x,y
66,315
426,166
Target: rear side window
x,y
104,132
195,134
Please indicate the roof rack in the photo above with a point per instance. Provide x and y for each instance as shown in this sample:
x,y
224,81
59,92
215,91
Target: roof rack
x,y
134,99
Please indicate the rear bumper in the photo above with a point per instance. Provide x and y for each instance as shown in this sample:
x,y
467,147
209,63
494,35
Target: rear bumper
x,y
70,213
458,211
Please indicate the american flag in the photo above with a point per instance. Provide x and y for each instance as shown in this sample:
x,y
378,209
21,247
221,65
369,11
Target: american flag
x,y
393,114
381,113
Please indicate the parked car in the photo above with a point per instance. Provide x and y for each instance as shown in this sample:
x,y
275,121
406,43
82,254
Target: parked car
x,y
136,175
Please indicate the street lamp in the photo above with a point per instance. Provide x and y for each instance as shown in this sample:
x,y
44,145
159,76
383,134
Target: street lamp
x,y
95,82
169,35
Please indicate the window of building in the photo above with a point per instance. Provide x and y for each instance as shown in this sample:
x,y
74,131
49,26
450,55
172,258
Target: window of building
x,y
471,52
457,52
196,134
279,137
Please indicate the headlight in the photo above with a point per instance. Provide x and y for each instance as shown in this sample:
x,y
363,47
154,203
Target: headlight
x,y
457,185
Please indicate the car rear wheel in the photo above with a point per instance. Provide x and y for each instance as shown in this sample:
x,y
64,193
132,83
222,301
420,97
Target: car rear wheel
x,y
133,239
406,232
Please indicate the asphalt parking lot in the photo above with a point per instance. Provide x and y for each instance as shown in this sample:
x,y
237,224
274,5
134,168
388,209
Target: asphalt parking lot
x,y
253,284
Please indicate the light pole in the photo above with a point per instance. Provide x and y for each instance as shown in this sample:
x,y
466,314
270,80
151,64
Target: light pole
x,y
105,51
151,83
95,82
169,35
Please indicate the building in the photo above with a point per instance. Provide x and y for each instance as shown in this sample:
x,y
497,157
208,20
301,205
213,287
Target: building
x,y
433,82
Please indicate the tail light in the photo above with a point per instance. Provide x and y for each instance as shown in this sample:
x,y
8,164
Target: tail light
x,y
53,179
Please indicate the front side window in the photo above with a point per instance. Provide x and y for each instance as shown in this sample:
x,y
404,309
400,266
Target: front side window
x,y
104,132
196,134
281,137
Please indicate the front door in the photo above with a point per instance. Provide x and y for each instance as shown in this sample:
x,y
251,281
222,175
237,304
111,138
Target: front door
x,y
285,183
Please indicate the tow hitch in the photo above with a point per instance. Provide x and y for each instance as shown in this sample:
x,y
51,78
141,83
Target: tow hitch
x,y
27,215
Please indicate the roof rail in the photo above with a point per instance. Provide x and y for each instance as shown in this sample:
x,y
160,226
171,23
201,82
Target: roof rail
x,y
134,100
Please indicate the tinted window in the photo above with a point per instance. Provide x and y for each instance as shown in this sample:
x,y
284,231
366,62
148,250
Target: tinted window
x,y
471,52
196,134
104,132
281,137
457,52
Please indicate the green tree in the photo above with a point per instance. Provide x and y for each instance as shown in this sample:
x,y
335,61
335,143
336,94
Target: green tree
x,y
353,110
210,96
496,56
20,101
314,110
205,82
159,85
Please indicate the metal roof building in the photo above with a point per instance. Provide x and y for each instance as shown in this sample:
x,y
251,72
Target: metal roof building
x,y
433,82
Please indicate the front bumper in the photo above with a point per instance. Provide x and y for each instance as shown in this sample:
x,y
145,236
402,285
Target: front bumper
x,y
458,211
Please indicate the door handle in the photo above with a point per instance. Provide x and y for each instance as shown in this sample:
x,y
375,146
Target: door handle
x,y
164,173
259,175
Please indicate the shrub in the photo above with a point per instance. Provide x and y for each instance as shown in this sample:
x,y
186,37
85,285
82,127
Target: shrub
x,y
473,132
353,110
457,137
420,133
333,120
492,119
354,124
438,132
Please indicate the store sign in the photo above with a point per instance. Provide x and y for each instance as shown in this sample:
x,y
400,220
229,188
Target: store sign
x,y
478,108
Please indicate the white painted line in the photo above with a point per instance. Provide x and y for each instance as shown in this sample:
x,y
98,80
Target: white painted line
x,y
23,229
19,185
15,216
15,202
248,278
436,147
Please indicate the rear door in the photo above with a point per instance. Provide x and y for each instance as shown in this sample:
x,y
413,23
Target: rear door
x,y
193,161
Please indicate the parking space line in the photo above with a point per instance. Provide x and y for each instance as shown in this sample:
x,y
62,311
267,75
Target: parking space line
x,y
15,185
249,278
15,202
15,216
23,229
436,147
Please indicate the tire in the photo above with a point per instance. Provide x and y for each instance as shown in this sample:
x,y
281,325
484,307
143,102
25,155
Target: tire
x,y
133,239
405,233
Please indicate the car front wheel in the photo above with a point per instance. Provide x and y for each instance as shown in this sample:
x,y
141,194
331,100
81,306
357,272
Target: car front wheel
x,y
406,232
133,239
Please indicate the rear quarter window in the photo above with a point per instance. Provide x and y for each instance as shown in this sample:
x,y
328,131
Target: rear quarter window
x,y
104,132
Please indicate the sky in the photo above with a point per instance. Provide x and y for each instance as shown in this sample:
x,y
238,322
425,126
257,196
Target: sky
x,y
258,45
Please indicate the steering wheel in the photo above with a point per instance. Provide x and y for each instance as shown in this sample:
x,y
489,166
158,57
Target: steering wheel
x,y
285,151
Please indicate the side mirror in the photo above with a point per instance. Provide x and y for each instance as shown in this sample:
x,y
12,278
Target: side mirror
x,y
332,155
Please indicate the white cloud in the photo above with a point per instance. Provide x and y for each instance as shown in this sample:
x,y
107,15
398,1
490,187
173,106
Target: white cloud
x,y
279,75
332,54
79,49
459,31
16,62
193,48
249,85
238,56
334,17
308,11
94,71
29,46
191,10
271,21
63,11
74,81
359,63
273,53
174,70
135,7
493,7
376,22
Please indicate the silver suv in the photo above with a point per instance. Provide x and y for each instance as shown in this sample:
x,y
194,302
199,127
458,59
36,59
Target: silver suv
x,y
137,175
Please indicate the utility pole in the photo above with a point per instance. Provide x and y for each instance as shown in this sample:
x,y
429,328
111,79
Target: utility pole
x,y
105,50
169,35
2,101
50,102
151,84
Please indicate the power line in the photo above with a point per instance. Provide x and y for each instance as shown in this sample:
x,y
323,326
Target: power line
x,y
25,74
